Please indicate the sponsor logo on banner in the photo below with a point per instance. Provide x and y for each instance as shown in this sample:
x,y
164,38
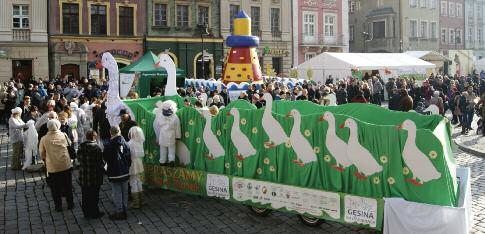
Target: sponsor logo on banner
x,y
360,210
301,200
217,186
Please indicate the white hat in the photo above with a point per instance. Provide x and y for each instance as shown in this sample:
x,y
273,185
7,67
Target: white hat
x,y
17,110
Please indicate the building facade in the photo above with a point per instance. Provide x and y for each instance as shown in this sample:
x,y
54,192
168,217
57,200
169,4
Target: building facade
x,y
319,26
393,25
475,27
23,39
271,21
81,30
177,27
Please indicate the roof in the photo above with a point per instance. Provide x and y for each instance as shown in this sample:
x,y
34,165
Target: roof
x,y
242,15
427,55
146,65
381,11
365,61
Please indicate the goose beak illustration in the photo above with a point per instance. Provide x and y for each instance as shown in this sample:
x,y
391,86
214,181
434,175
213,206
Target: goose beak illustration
x,y
322,118
342,125
289,115
398,127
99,65
228,113
157,65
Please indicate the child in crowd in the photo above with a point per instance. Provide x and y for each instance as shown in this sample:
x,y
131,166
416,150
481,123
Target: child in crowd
x,y
137,138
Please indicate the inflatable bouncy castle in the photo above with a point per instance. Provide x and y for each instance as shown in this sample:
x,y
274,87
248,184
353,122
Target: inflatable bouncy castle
x,y
242,63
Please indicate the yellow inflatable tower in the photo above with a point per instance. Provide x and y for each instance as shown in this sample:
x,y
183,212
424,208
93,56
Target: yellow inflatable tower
x,y
242,63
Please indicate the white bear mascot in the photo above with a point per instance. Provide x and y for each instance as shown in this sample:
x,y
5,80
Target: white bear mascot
x,y
167,130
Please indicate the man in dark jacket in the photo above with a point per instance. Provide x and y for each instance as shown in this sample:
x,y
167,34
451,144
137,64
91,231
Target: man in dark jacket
x,y
395,100
101,123
118,159
126,124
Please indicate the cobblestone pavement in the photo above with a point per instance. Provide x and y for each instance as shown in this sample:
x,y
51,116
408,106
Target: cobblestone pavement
x,y
27,207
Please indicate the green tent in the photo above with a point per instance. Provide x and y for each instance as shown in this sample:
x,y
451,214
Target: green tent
x,y
150,75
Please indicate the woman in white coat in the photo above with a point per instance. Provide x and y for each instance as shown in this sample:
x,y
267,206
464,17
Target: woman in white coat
x,y
16,135
137,138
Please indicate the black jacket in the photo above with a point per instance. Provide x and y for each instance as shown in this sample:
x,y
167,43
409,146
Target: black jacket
x,y
117,156
125,128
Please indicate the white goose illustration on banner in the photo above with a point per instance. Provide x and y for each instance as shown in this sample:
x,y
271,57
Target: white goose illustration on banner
x,y
358,155
271,126
303,150
336,146
419,164
211,142
240,141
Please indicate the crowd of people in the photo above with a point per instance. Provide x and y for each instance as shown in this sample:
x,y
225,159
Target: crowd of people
x,y
71,128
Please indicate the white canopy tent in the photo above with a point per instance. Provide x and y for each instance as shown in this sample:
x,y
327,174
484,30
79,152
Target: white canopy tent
x,y
480,65
339,65
432,57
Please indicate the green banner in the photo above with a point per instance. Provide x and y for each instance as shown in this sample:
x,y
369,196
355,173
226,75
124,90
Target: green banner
x,y
357,149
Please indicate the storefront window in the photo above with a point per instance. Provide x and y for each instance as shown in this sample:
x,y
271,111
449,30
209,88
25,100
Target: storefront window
x,y
98,19
160,15
70,18
126,21
183,16
20,16
277,64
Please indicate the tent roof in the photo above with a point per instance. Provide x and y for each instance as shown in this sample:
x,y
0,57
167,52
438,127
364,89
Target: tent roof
x,y
364,61
427,55
146,65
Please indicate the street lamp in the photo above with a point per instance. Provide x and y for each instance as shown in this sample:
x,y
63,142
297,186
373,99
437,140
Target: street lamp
x,y
365,35
203,31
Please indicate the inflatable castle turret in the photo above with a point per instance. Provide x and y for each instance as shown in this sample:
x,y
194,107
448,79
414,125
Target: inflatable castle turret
x,y
242,63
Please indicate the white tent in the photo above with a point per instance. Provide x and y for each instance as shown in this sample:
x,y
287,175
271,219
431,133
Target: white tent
x,y
339,65
480,65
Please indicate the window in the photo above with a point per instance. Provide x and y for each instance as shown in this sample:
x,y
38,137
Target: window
x,y
458,36
452,36
433,27
422,3
160,15
70,18
126,21
452,9
275,20
203,15
444,8
379,29
98,19
352,6
330,25
310,55
423,32
413,3
255,19
432,4
182,16
351,33
20,16
309,26
470,34
413,28
479,35
443,35
233,10
459,10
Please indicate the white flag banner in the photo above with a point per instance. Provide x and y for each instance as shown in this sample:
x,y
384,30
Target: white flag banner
x,y
126,82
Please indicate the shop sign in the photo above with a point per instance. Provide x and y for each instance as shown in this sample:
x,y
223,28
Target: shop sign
x,y
120,53
267,51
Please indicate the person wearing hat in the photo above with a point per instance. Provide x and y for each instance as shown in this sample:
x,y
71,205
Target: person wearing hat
x,y
16,134
53,150
126,124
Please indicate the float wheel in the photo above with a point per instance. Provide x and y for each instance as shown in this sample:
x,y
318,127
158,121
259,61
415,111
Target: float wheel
x,y
261,212
311,221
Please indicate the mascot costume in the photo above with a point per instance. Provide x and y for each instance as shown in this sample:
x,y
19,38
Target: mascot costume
x,y
167,130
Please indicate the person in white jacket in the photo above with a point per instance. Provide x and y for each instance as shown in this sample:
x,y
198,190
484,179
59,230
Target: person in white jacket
x,y
137,139
81,121
167,130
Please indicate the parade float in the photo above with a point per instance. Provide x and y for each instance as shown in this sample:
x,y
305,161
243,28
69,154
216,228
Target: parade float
x,y
356,163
